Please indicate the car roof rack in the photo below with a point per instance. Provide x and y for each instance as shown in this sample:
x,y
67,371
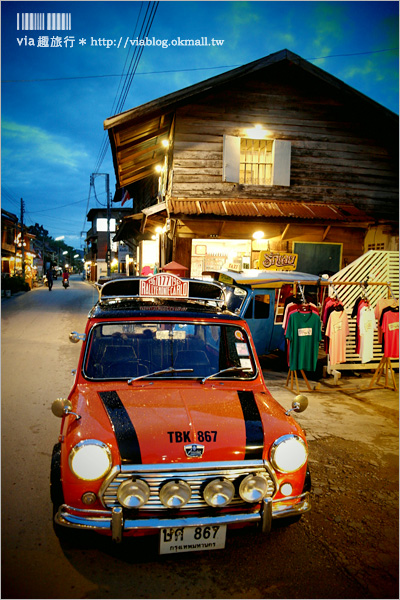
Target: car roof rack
x,y
129,288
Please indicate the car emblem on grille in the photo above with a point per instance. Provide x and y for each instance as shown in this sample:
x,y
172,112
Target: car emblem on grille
x,y
194,450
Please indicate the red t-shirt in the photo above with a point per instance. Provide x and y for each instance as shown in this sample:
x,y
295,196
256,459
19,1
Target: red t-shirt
x,y
390,327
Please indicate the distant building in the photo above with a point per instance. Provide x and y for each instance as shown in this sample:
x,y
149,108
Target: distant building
x,y
96,243
16,249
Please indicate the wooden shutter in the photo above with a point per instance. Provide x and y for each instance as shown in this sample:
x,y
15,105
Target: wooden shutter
x,y
281,163
231,159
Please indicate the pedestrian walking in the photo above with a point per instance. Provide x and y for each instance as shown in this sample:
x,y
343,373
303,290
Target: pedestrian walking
x,y
49,275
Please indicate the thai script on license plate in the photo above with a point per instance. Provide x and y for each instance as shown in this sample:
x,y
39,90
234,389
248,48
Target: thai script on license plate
x,y
190,539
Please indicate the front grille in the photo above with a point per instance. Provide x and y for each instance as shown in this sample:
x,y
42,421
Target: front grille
x,y
196,475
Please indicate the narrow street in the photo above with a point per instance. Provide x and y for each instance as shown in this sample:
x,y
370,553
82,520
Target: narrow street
x,y
346,547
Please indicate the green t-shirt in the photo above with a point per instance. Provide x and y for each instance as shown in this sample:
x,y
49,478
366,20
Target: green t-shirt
x,y
304,333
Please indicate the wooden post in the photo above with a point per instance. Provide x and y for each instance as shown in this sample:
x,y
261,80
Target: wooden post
x,y
385,365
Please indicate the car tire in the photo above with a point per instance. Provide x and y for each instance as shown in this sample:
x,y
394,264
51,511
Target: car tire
x,y
57,496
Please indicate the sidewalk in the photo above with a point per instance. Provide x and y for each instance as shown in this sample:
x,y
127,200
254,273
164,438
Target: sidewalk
x,y
349,410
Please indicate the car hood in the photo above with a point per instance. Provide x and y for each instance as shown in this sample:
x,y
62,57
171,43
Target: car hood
x,y
160,422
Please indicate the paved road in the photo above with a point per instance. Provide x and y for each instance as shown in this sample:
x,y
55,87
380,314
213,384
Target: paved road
x,y
37,359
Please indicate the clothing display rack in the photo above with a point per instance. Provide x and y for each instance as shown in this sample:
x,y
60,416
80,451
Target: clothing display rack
x,y
369,291
293,378
384,367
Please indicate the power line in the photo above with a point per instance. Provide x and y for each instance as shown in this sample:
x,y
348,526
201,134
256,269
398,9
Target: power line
x,y
103,147
184,70
137,53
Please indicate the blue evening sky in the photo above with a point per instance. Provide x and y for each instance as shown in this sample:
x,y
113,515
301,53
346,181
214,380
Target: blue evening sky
x,y
55,99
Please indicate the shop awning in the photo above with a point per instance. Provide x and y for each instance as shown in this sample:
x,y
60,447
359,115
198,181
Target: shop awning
x,y
131,228
267,209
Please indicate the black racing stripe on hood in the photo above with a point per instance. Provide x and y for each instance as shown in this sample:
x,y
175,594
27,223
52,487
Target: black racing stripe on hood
x,y
124,430
254,429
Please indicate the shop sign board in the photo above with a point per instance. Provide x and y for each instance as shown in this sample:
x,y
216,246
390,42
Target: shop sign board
x,y
164,285
123,251
277,261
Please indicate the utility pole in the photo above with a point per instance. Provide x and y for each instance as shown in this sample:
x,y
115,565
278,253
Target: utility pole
x,y
22,239
108,225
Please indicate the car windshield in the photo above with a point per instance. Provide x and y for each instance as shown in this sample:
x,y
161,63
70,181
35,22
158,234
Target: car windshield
x,y
129,350
235,296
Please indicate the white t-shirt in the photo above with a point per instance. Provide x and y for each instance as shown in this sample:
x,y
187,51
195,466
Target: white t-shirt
x,y
367,326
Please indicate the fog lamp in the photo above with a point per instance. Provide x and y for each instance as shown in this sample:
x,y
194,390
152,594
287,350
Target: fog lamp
x,y
253,488
175,494
219,492
286,489
133,493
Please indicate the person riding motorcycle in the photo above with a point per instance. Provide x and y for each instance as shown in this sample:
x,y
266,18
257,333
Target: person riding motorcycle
x,y
65,278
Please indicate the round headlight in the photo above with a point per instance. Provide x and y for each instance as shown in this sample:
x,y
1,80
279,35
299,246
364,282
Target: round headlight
x,y
90,460
219,492
133,493
253,488
288,453
175,494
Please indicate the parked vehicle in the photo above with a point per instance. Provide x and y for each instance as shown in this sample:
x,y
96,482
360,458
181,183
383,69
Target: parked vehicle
x,y
259,298
169,428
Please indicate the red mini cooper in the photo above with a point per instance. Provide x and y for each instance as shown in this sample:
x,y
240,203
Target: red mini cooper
x,y
169,428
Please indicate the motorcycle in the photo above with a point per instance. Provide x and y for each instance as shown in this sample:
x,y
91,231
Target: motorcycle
x,y
65,283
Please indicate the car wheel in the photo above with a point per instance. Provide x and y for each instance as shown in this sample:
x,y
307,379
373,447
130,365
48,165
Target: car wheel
x,y
56,494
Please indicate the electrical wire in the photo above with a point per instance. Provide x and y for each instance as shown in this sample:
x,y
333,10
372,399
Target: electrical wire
x,y
134,62
104,144
185,70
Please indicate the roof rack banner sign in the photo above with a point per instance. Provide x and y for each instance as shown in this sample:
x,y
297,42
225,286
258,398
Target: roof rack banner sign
x,y
164,285
275,261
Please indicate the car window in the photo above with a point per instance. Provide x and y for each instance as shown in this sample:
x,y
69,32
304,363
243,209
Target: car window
x,y
235,297
129,350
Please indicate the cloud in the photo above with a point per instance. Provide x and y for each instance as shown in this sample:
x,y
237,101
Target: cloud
x,y
26,145
365,70
327,23
238,18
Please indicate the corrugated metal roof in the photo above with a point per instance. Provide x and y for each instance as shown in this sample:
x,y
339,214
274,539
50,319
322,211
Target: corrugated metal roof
x,y
275,210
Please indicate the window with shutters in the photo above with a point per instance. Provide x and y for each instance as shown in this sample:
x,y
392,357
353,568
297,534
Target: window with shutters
x,y
256,161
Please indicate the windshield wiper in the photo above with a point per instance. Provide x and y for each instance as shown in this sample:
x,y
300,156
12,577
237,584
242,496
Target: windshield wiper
x,y
225,371
169,370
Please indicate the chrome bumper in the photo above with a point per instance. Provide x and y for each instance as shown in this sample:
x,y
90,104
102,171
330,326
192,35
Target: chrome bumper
x,y
113,521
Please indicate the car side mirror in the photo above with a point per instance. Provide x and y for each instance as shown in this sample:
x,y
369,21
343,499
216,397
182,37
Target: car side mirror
x,y
299,404
75,337
60,407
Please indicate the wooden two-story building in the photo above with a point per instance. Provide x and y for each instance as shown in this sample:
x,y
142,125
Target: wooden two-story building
x,y
275,155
